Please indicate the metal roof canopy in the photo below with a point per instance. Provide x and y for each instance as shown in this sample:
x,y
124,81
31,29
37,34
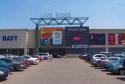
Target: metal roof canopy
x,y
55,21
59,21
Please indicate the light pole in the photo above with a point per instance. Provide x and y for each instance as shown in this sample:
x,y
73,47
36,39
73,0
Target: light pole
x,y
37,38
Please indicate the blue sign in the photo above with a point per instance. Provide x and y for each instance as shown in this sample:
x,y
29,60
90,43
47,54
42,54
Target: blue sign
x,y
97,39
9,38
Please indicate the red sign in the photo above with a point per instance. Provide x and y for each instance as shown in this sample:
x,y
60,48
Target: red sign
x,y
77,38
111,39
121,38
116,39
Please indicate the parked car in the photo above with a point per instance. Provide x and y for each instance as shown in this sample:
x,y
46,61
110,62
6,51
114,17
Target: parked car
x,y
46,56
39,57
108,54
8,55
102,62
5,64
107,62
86,56
1,56
117,66
4,70
3,73
21,61
32,60
15,66
96,57
123,53
24,61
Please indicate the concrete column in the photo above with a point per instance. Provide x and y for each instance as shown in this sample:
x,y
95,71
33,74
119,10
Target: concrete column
x,y
107,46
26,44
25,50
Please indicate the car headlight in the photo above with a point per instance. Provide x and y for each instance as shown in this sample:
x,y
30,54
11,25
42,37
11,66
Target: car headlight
x,y
1,72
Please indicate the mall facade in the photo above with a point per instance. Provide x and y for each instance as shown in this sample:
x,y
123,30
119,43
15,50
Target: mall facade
x,y
22,41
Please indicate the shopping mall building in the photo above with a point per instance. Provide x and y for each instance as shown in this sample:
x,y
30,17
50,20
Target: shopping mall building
x,y
22,41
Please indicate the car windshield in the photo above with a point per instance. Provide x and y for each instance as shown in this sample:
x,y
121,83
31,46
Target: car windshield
x,y
118,55
2,62
103,58
17,59
26,56
114,58
98,56
107,53
42,54
7,60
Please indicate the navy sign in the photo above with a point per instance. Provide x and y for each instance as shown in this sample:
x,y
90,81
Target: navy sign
x,y
9,38
97,39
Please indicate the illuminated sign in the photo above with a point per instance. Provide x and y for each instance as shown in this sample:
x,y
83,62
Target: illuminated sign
x,y
97,39
111,39
116,39
77,29
77,37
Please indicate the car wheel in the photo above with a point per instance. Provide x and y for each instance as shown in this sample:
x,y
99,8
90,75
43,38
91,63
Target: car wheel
x,y
121,72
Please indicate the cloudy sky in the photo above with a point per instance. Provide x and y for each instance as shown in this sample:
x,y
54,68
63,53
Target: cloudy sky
x,y
101,13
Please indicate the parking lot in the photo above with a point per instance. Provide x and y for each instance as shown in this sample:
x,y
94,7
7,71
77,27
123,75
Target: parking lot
x,y
63,71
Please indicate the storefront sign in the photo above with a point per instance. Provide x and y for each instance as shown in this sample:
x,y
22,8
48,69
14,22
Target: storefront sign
x,y
57,37
116,39
56,15
9,38
51,36
76,36
97,39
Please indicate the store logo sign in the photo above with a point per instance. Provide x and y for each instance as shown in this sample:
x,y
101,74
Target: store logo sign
x,y
9,38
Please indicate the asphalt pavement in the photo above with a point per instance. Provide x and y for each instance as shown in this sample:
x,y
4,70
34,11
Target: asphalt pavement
x,y
63,71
